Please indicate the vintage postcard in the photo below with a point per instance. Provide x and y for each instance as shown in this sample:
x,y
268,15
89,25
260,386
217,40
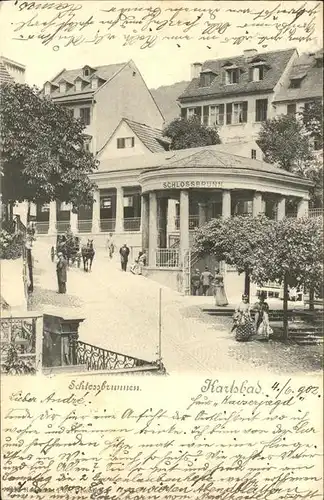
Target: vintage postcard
x,y
161,250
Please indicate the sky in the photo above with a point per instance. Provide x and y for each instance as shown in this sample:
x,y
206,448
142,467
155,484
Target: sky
x,y
167,61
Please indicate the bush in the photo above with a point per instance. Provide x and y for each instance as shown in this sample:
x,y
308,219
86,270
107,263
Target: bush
x,y
11,245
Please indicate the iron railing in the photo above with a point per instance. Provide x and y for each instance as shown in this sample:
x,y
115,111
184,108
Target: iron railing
x,y
84,226
42,227
97,358
193,222
132,224
167,257
21,344
62,226
107,225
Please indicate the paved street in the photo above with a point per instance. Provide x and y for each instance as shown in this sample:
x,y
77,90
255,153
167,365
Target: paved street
x,y
121,314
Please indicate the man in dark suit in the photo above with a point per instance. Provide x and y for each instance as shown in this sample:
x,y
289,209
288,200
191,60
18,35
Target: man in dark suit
x,y
124,253
61,272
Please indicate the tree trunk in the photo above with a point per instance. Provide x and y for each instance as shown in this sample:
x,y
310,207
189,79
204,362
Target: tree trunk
x,y
247,284
28,212
10,213
285,309
311,299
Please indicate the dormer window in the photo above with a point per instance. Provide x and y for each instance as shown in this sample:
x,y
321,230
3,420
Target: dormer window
x,y
256,74
94,83
295,83
47,88
232,76
86,72
62,87
78,85
206,78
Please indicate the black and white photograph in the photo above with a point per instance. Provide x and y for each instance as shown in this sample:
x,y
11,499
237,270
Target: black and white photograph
x,y
161,177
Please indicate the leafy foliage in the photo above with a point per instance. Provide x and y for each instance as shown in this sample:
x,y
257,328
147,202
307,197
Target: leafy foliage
x,y
11,244
312,117
234,240
190,134
292,249
284,142
43,150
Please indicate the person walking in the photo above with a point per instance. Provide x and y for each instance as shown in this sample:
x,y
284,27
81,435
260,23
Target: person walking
x,y
124,253
110,246
219,289
205,279
195,282
61,272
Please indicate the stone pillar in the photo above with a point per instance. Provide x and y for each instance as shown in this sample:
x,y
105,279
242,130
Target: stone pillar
x,y
52,218
119,227
171,215
74,221
302,208
226,204
163,221
184,222
145,221
281,208
153,229
96,213
257,204
203,213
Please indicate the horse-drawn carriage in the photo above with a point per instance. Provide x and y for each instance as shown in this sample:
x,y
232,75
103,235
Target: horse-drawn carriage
x,y
69,246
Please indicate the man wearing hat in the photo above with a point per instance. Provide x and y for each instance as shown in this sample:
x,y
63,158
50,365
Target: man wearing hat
x,y
61,272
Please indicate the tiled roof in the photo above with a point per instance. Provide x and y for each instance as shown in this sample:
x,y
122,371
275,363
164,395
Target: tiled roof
x,y
4,74
166,98
104,72
311,84
217,156
151,137
275,61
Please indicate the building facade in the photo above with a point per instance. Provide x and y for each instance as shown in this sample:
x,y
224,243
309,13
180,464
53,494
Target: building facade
x,y
11,71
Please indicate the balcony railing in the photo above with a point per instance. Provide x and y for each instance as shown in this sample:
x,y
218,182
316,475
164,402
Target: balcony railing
x,y
193,222
107,225
41,227
167,257
62,226
84,226
21,344
132,224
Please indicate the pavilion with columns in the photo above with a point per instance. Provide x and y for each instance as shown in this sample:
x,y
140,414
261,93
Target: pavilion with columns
x,y
156,202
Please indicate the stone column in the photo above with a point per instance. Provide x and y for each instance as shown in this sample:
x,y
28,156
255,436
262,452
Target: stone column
x,y
74,221
96,213
171,215
302,208
52,218
226,204
184,222
163,221
203,213
257,204
153,229
281,208
119,226
145,221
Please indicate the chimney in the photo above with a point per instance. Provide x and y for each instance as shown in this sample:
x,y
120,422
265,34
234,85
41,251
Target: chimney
x,y
248,53
195,70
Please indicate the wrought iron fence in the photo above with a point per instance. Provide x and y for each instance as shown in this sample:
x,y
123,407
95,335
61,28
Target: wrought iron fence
x,y
42,227
96,358
316,212
167,257
84,226
21,344
107,225
132,224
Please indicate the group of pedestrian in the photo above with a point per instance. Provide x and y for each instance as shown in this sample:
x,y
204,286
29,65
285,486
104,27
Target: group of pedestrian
x,y
243,324
202,283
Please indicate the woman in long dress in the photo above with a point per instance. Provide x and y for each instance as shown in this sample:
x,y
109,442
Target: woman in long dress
x,y
262,324
243,323
219,289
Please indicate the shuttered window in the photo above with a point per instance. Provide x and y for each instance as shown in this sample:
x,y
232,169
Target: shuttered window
x,y
125,142
261,110
229,113
206,115
85,115
291,109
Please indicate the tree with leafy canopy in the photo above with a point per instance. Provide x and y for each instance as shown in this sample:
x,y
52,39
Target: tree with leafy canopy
x,y
312,117
291,254
190,134
287,142
43,150
234,241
